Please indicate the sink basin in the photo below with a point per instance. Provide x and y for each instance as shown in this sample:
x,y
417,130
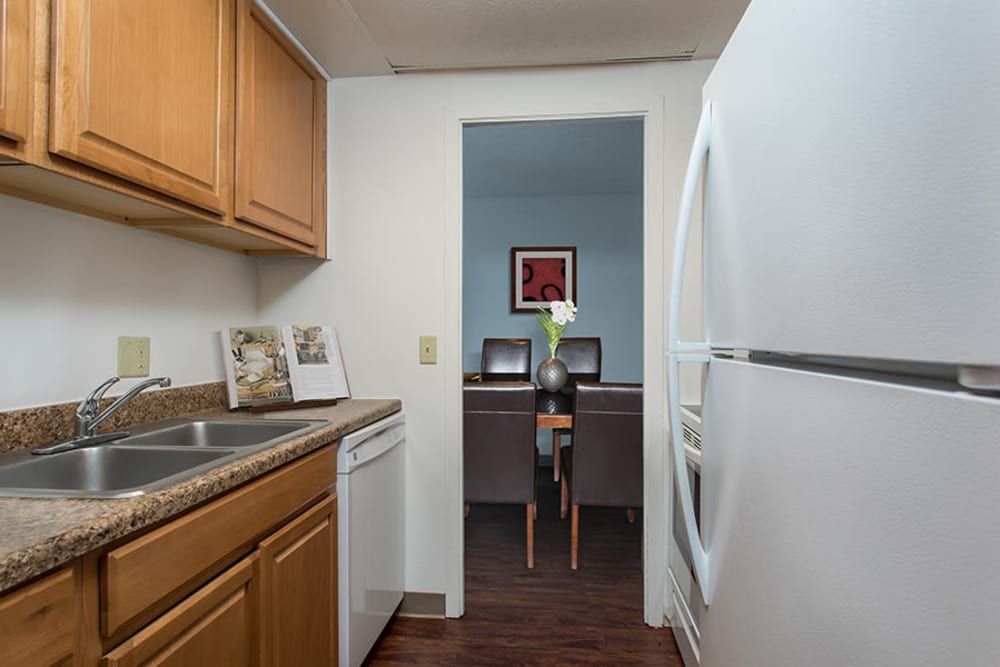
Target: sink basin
x,y
104,471
220,433
155,456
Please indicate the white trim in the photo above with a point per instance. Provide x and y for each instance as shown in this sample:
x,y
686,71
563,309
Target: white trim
x,y
656,466
451,350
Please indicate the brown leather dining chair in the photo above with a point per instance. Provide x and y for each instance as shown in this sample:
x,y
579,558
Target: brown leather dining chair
x,y
603,466
506,359
582,357
498,443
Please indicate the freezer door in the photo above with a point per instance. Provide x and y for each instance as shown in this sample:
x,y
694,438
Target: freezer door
x,y
848,522
852,195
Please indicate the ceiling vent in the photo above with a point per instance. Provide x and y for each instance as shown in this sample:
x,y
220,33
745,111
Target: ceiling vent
x,y
675,57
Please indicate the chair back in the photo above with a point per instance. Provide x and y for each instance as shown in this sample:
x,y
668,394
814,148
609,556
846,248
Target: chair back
x,y
506,359
498,442
582,357
607,445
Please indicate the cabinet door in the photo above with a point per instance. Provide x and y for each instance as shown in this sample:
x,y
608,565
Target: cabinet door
x,y
217,625
40,622
280,133
143,90
299,590
15,69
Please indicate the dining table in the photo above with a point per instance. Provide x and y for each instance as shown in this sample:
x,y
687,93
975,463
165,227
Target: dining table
x,y
554,410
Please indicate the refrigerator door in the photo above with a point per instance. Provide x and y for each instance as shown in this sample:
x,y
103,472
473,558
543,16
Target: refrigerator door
x,y
853,182
848,522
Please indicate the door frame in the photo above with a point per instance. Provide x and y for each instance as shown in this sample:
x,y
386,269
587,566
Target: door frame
x,y
656,279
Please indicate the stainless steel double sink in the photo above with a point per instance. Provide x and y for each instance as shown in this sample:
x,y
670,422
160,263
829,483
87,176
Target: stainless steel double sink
x,y
152,457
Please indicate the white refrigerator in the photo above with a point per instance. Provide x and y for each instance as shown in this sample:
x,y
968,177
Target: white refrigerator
x,y
848,164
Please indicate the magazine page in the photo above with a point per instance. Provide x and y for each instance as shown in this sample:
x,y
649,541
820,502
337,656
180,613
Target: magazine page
x,y
316,367
256,363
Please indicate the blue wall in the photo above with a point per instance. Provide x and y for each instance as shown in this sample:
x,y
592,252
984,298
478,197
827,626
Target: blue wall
x,y
607,232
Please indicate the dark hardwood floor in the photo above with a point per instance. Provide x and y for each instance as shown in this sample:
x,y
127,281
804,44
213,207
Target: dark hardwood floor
x,y
547,616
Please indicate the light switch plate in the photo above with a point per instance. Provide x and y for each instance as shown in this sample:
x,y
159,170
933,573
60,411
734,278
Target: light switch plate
x,y
428,349
133,356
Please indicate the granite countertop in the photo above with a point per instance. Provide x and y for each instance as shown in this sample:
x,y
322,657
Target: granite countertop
x,y
40,534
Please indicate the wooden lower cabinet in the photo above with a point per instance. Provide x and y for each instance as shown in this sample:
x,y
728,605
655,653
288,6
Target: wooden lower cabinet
x,y
299,590
145,576
249,578
40,622
215,626
277,607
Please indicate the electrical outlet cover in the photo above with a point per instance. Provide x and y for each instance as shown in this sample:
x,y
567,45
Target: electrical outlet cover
x,y
133,356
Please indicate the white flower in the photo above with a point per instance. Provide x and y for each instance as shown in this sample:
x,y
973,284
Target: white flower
x,y
554,321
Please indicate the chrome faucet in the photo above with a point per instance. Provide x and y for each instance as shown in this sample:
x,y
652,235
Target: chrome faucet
x,y
89,417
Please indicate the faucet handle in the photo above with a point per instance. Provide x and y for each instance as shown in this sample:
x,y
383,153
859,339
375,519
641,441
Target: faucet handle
x,y
88,406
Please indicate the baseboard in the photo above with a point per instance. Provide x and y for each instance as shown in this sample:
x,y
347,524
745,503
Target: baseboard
x,y
421,605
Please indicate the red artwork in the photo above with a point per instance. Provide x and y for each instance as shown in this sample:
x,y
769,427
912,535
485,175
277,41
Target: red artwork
x,y
543,279
539,276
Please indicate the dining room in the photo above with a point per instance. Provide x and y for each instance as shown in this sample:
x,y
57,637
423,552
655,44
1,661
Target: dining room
x,y
567,194
556,184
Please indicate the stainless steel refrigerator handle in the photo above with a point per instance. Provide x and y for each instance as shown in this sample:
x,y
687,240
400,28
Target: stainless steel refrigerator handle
x,y
691,180
699,556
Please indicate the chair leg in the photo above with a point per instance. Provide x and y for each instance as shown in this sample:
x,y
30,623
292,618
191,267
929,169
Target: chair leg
x,y
556,442
530,521
574,537
465,511
535,507
631,515
563,499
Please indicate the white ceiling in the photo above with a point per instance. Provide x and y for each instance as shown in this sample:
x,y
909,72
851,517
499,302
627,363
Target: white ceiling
x,y
372,37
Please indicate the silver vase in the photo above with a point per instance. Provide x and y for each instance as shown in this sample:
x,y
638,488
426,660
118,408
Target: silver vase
x,y
552,374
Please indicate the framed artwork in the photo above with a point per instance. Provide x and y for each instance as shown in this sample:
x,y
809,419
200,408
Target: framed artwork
x,y
539,276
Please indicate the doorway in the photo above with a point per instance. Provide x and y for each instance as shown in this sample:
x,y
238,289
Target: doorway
x,y
553,183
576,183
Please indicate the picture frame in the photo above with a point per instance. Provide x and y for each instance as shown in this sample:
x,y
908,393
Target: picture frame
x,y
541,275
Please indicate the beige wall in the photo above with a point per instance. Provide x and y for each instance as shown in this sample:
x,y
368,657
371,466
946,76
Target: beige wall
x,y
70,285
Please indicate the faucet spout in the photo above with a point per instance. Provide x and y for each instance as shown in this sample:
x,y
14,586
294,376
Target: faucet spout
x,y
87,416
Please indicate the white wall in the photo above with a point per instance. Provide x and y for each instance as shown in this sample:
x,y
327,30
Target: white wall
x,y
70,285
396,251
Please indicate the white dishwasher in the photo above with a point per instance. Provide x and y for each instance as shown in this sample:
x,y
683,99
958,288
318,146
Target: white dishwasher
x,y
370,486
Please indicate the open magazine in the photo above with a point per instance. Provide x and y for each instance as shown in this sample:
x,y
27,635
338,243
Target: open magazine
x,y
267,365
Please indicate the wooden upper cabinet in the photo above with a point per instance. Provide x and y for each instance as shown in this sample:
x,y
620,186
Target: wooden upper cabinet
x,y
144,91
15,70
280,133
